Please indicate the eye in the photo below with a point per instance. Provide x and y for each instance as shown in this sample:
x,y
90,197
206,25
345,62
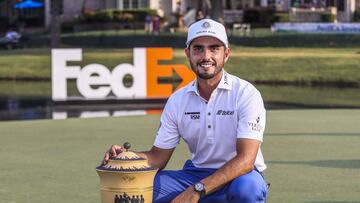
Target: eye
x,y
215,48
197,48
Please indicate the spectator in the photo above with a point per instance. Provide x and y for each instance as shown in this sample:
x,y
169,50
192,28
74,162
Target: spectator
x,y
11,39
199,15
178,14
12,35
148,24
156,25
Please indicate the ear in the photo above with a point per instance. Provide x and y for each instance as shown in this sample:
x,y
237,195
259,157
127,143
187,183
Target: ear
x,y
226,54
187,52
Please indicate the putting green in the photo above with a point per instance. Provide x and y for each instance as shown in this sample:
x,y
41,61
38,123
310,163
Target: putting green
x,y
312,156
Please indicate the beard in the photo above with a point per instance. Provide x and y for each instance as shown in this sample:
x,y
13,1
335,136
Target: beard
x,y
205,75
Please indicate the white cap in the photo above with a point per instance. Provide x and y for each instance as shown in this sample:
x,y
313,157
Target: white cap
x,y
207,27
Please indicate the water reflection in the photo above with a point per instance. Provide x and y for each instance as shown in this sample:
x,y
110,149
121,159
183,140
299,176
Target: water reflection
x,y
101,113
276,97
24,108
18,108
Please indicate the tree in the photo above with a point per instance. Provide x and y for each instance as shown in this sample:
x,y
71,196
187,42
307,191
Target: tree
x,y
216,10
212,8
56,10
9,7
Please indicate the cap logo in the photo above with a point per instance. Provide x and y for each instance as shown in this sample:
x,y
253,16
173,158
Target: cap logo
x,y
205,25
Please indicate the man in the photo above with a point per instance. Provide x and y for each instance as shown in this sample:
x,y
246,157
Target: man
x,y
12,36
221,118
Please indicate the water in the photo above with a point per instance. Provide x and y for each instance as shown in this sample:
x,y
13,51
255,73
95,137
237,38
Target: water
x,y
18,102
18,108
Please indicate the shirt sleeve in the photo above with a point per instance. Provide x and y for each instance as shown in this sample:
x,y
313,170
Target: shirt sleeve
x,y
168,135
251,115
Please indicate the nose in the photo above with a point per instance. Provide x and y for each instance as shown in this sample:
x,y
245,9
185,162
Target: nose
x,y
207,53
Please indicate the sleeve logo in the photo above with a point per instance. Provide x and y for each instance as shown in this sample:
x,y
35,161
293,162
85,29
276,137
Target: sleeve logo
x,y
255,126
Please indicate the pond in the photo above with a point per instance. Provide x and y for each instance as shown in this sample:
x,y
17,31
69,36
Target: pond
x,y
32,100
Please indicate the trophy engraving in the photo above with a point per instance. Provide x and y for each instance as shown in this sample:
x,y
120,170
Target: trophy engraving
x,y
126,178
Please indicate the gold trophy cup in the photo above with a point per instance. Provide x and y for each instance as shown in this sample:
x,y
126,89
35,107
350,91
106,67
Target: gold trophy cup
x,y
126,178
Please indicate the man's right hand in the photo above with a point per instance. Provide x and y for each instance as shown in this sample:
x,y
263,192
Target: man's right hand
x,y
112,152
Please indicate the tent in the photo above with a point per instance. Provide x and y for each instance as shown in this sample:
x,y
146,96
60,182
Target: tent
x,y
29,4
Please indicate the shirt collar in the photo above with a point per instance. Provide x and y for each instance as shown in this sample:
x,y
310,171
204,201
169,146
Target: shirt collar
x,y
225,83
193,87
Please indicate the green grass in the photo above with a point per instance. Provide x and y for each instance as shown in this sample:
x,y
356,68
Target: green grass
x,y
308,96
279,65
299,65
25,89
312,156
292,65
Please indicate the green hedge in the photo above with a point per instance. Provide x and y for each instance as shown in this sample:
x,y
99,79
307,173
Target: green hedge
x,y
281,17
114,15
328,18
259,16
357,15
3,24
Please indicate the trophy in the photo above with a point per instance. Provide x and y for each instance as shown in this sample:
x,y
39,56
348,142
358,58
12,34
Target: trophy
x,y
126,178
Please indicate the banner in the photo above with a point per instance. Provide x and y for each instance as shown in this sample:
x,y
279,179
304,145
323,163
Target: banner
x,y
317,27
139,80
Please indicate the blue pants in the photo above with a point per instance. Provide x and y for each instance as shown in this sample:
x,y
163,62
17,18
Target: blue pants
x,y
248,188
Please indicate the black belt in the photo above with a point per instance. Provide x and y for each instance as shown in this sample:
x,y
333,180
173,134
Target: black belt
x,y
262,175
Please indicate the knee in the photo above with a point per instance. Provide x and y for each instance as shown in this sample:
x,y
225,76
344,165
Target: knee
x,y
157,179
158,193
248,188
162,190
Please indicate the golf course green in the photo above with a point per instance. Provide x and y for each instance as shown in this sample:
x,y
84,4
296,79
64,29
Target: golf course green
x,y
312,156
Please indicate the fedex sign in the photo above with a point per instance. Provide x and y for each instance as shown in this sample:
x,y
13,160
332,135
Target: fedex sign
x,y
96,81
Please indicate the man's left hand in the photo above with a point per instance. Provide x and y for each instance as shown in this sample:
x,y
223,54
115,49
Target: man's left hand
x,y
188,196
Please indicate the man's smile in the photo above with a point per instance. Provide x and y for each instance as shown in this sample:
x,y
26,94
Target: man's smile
x,y
206,65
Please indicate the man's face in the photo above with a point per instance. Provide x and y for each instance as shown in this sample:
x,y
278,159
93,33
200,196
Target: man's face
x,y
207,56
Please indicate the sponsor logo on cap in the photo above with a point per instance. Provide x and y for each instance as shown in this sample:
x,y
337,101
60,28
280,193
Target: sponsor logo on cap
x,y
205,25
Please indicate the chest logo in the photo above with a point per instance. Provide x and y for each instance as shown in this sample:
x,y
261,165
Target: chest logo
x,y
224,113
193,115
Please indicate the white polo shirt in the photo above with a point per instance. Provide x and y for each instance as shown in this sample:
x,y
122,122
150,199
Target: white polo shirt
x,y
210,128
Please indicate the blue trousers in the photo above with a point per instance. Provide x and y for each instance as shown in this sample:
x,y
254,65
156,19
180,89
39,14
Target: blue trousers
x,y
248,188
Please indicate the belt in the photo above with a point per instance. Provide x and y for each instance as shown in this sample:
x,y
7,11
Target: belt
x,y
262,175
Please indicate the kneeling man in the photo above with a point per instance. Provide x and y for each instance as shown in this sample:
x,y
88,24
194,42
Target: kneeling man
x,y
221,118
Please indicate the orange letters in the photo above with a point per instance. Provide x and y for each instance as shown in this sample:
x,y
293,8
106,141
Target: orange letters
x,y
156,71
